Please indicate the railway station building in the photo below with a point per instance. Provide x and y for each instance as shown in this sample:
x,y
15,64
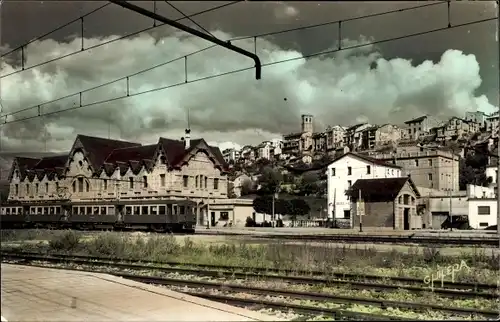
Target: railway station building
x,y
100,169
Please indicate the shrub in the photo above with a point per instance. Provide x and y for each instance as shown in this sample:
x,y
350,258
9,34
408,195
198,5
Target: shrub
x,y
108,244
250,222
68,241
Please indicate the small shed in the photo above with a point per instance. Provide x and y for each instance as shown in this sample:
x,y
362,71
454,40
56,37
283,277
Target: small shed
x,y
385,203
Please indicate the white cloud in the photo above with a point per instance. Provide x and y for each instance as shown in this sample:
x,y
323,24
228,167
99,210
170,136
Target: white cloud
x,y
337,88
285,11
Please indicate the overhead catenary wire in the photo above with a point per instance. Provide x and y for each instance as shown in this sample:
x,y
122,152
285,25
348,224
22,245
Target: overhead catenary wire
x,y
4,120
106,42
234,39
213,46
24,45
190,19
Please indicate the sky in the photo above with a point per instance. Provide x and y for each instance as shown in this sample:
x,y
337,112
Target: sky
x,y
443,73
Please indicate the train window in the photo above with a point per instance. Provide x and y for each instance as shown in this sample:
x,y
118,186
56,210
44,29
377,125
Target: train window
x,y
145,210
169,209
46,210
58,210
103,210
89,210
175,209
128,210
52,210
39,210
7,211
96,211
111,210
182,210
154,210
33,210
161,210
137,210
82,210
224,215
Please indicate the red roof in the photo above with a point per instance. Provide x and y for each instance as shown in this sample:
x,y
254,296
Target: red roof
x,y
106,155
98,149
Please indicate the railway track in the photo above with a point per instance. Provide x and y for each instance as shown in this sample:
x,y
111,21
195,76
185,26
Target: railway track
x,y
312,296
373,282
372,239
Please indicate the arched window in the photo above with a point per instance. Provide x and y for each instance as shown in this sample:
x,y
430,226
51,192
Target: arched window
x,y
81,184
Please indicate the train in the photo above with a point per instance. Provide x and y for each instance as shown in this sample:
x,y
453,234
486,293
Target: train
x,y
173,216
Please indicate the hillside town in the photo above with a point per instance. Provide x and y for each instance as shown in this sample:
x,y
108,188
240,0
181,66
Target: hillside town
x,y
449,165
424,174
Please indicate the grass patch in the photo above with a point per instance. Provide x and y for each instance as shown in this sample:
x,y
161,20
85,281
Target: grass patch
x,y
417,262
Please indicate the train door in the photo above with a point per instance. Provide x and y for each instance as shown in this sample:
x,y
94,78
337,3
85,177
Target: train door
x,y
25,212
212,218
119,213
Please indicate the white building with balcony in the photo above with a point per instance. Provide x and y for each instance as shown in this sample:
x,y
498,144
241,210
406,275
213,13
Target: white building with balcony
x,y
343,172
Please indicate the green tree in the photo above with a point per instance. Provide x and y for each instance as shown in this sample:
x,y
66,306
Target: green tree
x,y
247,187
308,184
270,181
472,169
230,191
263,204
298,208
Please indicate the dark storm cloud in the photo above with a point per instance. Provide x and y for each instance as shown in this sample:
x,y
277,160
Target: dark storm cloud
x,y
371,83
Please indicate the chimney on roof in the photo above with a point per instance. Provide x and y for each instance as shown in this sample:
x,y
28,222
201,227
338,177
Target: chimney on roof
x,y
187,138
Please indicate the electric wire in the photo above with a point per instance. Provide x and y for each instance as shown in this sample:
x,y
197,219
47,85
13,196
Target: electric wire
x,y
182,13
54,30
112,40
233,39
237,38
5,116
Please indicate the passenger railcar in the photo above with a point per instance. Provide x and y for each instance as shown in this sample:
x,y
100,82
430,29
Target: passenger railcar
x,y
155,215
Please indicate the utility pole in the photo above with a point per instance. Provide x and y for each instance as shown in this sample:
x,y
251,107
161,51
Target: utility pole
x,y
272,212
208,212
452,186
498,179
498,138
360,214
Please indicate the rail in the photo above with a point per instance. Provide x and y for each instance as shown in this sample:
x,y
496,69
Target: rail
x,y
372,239
293,276
313,296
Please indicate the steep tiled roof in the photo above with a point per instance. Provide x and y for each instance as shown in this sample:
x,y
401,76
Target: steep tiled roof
x,y
175,149
107,155
51,162
99,149
136,153
134,157
385,189
23,165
